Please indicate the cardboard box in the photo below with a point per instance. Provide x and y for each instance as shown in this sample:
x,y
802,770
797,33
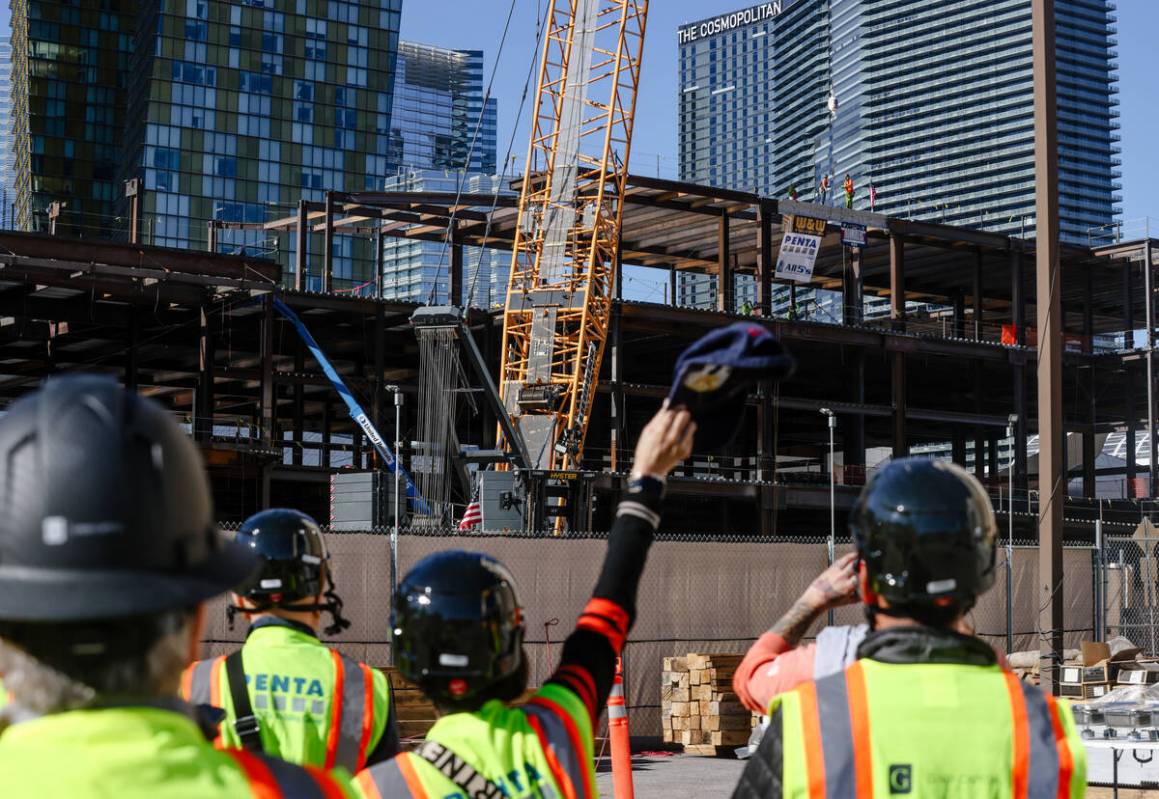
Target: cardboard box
x,y
1071,675
1095,690
1102,672
1072,690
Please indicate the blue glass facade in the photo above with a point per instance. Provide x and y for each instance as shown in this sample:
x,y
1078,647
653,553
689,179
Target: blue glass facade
x,y
443,139
931,103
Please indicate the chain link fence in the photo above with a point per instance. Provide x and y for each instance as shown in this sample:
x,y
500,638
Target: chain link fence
x,y
700,593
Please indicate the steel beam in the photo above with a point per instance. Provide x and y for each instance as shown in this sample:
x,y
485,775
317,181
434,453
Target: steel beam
x,y
266,405
616,384
328,246
302,247
1149,316
299,408
1051,455
203,409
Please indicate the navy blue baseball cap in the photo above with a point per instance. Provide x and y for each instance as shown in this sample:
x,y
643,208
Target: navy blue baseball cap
x,y
713,377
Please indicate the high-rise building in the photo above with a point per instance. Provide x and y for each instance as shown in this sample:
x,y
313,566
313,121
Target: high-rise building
x,y
442,119
227,111
7,139
70,63
930,103
419,271
443,139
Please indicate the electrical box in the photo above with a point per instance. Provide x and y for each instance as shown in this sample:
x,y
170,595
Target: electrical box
x,y
362,501
503,502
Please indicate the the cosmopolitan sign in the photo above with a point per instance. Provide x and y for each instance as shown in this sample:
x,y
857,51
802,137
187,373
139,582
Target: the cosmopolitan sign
x,y
728,22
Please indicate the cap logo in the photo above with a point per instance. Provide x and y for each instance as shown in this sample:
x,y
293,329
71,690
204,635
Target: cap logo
x,y
54,530
941,586
454,661
272,583
457,687
313,560
706,378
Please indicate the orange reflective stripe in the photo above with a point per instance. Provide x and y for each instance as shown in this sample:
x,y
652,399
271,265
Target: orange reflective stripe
x,y
557,769
261,779
330,789
811,737
187,682
215,695
407,769
365,784
577,742
367,713
1065,756
862,740
334,733
1020,768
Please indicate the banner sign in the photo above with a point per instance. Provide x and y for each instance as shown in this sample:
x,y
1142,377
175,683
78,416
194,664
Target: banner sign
x,y
852,235
809,225
798,254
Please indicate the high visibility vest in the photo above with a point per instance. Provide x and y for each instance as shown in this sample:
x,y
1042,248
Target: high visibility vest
x,y
542,749
315,706
144,753
887,730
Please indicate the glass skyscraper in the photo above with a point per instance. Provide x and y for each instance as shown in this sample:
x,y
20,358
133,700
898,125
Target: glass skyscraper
x,y
229,111
931,103
443,139
441,118
70,64
7,139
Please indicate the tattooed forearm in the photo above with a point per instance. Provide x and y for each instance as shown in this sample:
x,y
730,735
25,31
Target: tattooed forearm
x,y
794,624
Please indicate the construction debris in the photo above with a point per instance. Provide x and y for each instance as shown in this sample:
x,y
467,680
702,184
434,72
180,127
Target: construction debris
x,y
698,708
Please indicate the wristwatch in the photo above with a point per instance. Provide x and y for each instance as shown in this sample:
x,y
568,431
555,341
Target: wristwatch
x,y
648,484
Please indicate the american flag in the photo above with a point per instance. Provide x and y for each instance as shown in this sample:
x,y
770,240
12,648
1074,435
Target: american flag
x,y
473,515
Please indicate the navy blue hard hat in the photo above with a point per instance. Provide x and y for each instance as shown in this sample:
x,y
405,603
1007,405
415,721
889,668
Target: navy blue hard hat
x,y
458,627
926,531
713,376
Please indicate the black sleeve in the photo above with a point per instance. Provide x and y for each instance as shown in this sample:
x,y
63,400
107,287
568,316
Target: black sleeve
x,y
388,745
762,776
588,664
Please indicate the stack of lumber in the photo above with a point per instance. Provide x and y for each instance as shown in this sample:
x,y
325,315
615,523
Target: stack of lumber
x,y
698,708
415,713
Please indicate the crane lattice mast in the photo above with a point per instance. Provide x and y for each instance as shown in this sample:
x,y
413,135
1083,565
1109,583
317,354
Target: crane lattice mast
x,y
566,248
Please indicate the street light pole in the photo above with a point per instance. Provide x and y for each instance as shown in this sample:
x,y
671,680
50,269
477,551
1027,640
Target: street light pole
x,y
1011,421
832,494
397,475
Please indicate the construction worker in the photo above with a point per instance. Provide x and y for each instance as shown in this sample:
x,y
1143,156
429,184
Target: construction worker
x,y
458,633
926,710
284,692
108,551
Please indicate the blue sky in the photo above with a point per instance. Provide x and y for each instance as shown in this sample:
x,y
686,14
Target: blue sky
x,y
478,24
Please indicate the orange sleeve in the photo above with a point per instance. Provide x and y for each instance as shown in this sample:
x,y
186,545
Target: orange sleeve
x,y
769,668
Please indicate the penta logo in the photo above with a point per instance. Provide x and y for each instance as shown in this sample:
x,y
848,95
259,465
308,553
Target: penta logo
x,y
900,779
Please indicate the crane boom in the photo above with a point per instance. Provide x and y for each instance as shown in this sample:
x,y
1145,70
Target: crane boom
x,y
565,256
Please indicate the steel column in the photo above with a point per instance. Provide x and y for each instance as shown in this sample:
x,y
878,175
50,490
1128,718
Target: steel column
x,y
328,246
299,404
853,291
1128,307
725,287
455,296
899,397
978,289
302,248
327,422
1018,294
203,408
672,286
1149,316
616,397
766,264
959,314
379,263
1051,461
1132,424
897,283
267,381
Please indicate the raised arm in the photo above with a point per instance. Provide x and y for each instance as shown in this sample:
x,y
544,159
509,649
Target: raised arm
x,y
588,664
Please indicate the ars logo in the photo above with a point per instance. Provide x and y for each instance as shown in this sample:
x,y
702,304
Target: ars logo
x,y
900,779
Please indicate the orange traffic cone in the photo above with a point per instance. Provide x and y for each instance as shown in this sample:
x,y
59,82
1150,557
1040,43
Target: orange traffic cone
x,y
620,739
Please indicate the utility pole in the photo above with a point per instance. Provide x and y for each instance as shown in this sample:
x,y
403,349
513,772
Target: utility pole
x,y
1051,471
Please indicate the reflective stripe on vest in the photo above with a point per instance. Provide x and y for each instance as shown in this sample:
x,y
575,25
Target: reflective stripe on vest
x,y
838,739
394,778
561,747
351,714
203,683
271,778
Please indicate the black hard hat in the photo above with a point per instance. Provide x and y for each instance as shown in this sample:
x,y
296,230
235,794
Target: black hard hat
x,y
295,565
294,558
105,509
926,532
458,627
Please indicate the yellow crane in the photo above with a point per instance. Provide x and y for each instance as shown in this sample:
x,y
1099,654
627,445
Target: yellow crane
x,y
570,213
